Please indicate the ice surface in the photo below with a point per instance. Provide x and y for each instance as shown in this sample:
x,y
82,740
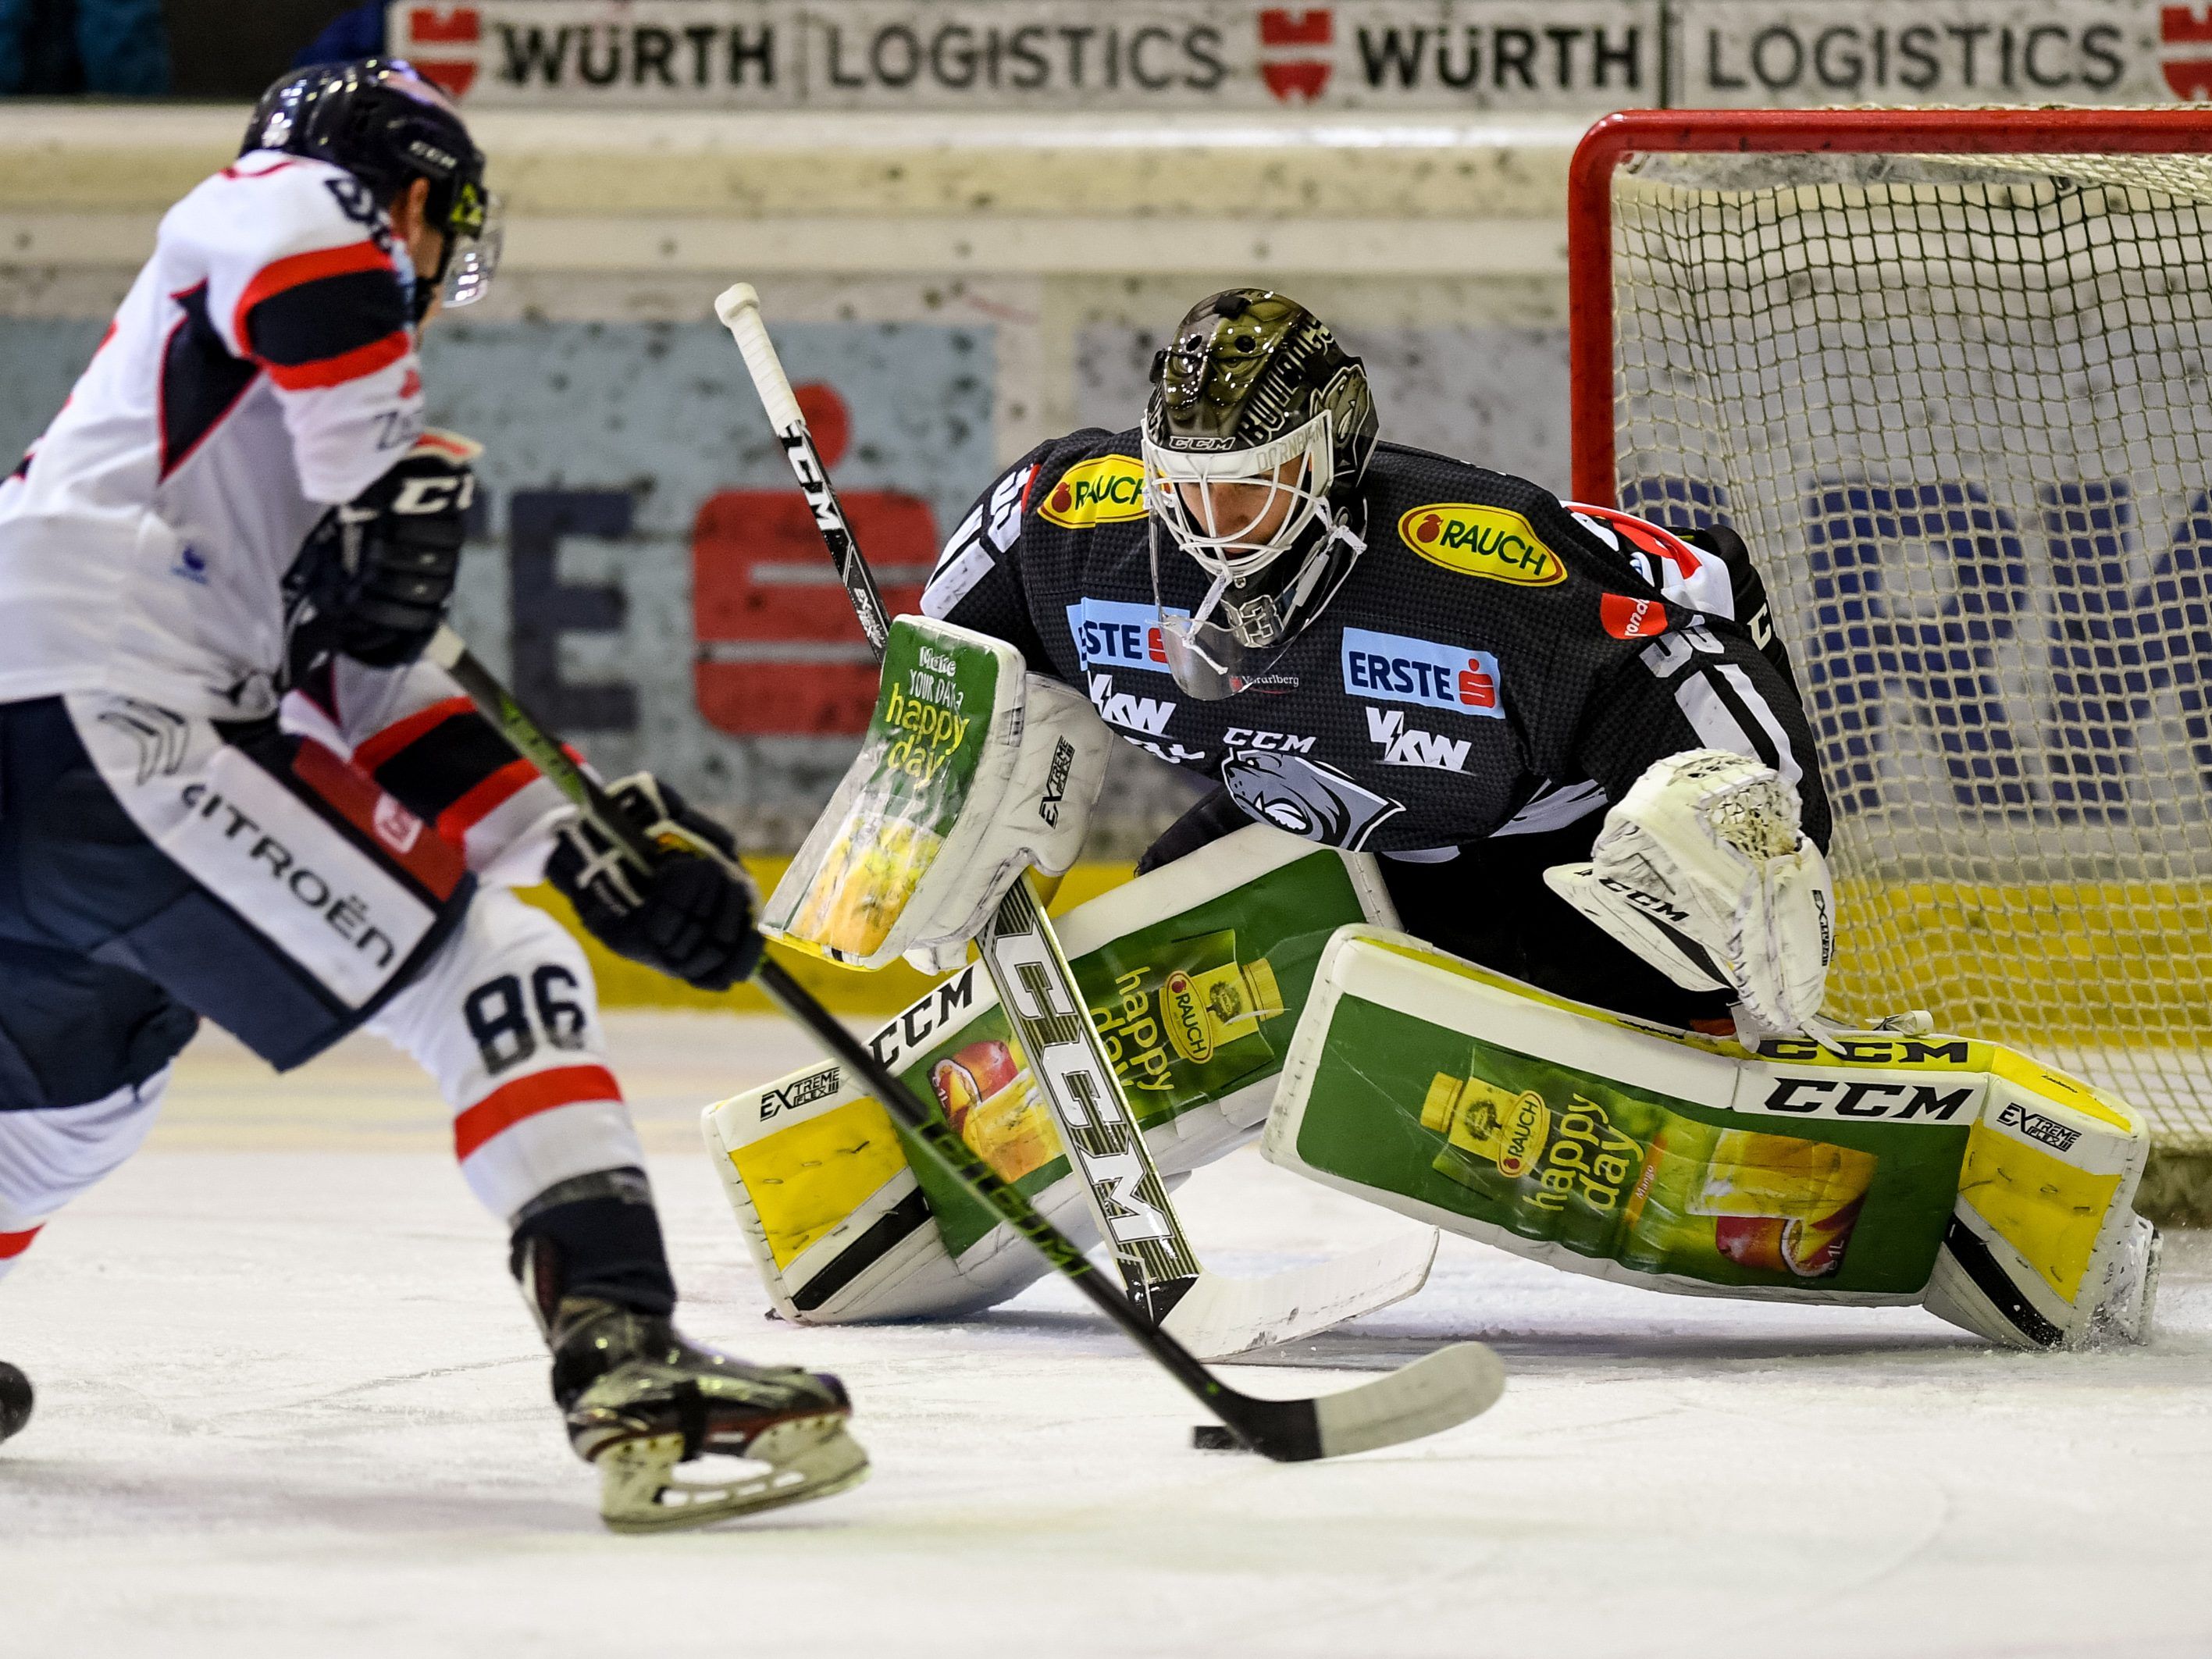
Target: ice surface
x,y
290,1404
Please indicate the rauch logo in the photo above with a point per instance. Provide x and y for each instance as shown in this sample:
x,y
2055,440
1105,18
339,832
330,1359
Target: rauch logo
x,y
1108,490
1481,541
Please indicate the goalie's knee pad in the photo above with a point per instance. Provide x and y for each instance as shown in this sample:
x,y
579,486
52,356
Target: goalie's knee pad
x,y
1902,1168
1193,974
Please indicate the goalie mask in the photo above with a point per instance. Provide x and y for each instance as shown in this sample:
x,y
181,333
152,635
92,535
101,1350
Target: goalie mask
x,y
1255,440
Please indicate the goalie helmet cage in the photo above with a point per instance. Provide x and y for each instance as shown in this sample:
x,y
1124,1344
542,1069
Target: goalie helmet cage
x,y
1949,372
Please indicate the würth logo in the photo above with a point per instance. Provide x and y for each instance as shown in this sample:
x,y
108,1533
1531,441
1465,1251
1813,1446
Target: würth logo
x,y
442,42
1295,60
2185,35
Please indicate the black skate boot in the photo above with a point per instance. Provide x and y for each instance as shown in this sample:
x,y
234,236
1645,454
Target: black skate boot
x,y
15,1398
639,1400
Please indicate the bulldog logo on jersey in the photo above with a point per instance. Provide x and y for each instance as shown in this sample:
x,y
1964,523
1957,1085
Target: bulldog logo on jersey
x,y
1306,798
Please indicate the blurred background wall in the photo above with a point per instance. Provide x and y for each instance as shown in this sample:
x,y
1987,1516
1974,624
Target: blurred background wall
x,y
972,221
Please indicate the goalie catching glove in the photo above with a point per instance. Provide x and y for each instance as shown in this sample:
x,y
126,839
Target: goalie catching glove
x,y
1703,872
691,916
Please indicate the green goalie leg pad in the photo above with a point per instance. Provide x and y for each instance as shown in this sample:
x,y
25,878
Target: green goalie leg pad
x,y
1904,1169
1196,975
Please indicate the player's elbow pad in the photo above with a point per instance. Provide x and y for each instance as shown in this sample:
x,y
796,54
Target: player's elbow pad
x,y
1703,872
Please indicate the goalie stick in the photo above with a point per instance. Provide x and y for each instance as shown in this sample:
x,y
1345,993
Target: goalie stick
x,y
1434,1393
1218,1317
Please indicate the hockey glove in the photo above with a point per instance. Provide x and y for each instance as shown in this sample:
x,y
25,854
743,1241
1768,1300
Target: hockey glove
x,y
1703,871
376,575
690,917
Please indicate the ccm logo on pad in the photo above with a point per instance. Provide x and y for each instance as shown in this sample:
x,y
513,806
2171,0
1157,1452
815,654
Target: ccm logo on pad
x,y
1855,1097
1391,668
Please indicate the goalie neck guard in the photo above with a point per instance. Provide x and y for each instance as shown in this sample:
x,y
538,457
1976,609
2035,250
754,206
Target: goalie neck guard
x,y
1255,440
387,126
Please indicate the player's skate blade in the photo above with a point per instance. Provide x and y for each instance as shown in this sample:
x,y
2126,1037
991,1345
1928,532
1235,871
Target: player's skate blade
x,y
808,1457
639,1399
1219,1318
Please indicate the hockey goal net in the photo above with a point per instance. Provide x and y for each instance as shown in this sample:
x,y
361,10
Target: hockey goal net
x,y
1949,372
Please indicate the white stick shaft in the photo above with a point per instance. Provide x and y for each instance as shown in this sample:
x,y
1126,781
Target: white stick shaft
x,y
738,307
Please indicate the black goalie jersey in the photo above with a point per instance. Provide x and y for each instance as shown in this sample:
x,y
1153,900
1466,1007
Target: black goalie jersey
x,y
1496,663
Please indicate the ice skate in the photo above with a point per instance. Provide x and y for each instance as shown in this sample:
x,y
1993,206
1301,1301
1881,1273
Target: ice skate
x,y
640,1400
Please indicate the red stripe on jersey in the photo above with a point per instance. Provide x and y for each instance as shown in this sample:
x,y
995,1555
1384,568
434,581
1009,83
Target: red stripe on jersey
x,y
437,866
14,1244
235,171
346,365
297,268
381,746
526,1097
487,797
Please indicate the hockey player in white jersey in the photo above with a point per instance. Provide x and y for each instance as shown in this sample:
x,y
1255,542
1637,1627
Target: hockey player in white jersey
x,y
229,790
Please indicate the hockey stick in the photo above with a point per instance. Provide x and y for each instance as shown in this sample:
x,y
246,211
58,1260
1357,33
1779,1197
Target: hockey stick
x,y
1217,1316
1436,1392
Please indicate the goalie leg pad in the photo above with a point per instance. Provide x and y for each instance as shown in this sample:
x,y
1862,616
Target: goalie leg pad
x,y
1194,975
1903,1168
2045,1250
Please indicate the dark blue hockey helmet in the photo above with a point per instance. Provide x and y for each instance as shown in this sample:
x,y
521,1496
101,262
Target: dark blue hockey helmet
x,y
387,126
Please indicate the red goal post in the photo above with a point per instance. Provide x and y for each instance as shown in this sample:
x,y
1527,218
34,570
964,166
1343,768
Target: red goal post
x,y
1950,372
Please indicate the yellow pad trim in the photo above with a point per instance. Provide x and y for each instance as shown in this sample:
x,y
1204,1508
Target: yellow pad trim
x,y
2043,1206
807,1180
2038,1078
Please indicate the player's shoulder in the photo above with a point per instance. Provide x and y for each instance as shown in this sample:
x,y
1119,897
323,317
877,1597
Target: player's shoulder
x,y
1090,479
268,206
1466,519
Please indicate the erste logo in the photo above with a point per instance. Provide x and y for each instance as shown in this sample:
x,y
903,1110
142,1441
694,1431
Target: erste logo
x,y
1391,668
1114,634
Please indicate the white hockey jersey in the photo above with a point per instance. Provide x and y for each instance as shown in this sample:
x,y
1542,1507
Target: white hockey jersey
x,y
262,369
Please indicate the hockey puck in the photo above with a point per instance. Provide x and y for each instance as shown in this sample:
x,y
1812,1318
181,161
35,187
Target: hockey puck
x,y
15,1398
1214,1437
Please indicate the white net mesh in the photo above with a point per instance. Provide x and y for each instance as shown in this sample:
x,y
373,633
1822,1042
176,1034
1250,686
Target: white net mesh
x,y
1961,410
